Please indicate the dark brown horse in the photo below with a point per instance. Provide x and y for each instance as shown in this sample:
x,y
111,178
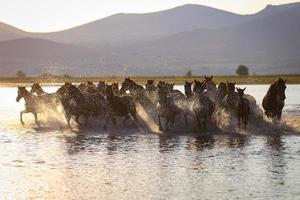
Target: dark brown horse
x,y
123,106
243,108
102,87
231,99
188,89
274,100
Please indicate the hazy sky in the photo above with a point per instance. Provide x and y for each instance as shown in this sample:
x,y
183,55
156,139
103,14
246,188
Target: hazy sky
x,y
53,15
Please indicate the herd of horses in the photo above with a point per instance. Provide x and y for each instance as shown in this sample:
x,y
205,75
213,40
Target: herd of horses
x,y
198,102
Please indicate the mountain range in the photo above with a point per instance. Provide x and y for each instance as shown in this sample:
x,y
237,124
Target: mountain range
x,y
170,42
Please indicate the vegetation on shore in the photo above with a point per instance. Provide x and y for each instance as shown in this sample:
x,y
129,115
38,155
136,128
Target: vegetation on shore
x,y
52,79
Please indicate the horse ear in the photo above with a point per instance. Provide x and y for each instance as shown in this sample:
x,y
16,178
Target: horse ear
x,y
285,80
234,83
244,89
227,82
211,77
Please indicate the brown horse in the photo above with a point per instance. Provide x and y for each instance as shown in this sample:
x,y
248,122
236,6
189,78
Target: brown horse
x,y
274,100
243,108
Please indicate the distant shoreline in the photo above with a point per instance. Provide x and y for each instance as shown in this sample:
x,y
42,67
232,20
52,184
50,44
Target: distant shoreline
x,y
56,80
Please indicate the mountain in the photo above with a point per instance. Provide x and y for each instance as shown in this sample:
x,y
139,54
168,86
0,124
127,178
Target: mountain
x,y
8,32
203,39
123,28
269,44
36,56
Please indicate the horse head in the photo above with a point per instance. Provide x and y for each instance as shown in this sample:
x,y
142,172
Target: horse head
x,y
36,88
199,86
280,88
230,87
241,92
22,92
188,88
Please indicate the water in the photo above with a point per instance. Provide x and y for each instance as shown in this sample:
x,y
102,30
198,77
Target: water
x,y
54,163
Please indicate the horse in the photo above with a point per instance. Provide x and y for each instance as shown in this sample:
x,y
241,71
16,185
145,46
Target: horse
x,y
121,106
102,87
274,100
115,88
88,87
231,99
188,89
166,107
221,91
211,88
78,104
243,108
150,86
203,107
51,99
33,104
138,92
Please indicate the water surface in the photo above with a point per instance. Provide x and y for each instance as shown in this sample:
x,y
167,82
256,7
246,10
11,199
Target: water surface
x,y
54,163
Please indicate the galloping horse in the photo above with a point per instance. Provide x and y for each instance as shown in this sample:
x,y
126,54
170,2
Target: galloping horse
x,y
273,101
211,88
33,104
203,107
51,99
123,106
78,104
243,108
137,91
230,101
166,107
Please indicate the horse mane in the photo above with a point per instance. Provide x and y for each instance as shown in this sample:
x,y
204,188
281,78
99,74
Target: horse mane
x,y
272,89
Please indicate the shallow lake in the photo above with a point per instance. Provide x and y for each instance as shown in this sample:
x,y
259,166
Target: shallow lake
x,y
56,163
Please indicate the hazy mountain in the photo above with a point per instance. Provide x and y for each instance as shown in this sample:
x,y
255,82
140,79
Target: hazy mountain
x,y
131,28
37,56
8,32
169,42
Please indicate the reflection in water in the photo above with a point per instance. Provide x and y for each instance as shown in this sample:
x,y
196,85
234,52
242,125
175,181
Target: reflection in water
x,y
236,141
200,142
168,142
277,164
49,163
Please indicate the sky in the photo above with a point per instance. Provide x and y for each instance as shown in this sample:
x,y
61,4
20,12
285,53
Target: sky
x,y
55,15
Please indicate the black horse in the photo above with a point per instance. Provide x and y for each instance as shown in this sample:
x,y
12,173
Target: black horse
x,y
121,106
243,108
274,100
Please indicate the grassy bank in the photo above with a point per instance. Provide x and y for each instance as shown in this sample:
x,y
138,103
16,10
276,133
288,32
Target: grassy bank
x,y
13,81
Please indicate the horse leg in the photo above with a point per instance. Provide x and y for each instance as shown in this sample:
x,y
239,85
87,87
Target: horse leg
x,y
105,123
36,119
114,121
68,118
21,116
198,121
245,122
239,121
125,120
185,119
159,124
167,123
